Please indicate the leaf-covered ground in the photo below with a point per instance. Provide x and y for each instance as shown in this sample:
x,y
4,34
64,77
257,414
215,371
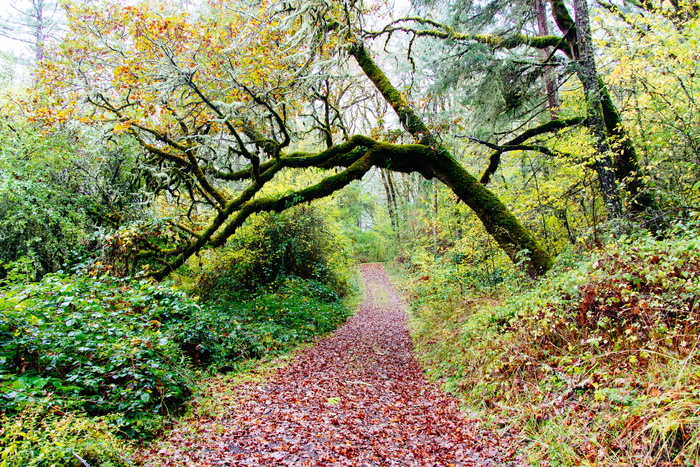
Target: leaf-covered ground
x,y
357,398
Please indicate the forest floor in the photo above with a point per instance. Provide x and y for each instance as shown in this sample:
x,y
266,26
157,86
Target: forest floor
x,y
356,398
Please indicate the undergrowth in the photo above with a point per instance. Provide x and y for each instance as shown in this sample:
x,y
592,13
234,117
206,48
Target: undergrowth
x,y
278,317
89,361
214,398
598,363
40,435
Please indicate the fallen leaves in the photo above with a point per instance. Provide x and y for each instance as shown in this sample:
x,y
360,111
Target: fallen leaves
x,y
357,398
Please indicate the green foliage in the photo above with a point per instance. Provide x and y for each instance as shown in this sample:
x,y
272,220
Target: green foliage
x,y
54,195
368,229
38,436
657,74
277,318
601,353
372,246
452,274
112,346
298,242
39,228
7,64
121,248
93,344
637,294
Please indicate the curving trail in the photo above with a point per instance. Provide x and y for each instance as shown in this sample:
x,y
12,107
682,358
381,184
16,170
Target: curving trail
x,y
357,398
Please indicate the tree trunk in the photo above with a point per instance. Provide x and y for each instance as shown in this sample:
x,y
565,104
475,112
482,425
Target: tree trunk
x,y
625,162
436,161
549,78
587,73
390,199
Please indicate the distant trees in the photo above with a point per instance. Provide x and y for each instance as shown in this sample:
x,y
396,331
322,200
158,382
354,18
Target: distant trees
x,y
32,22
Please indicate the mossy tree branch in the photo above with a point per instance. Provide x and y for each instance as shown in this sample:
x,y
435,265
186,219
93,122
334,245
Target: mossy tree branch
x,y
623,168
511,236
444,31
516,144
218,147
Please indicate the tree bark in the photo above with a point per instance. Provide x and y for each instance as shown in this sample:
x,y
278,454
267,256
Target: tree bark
x,y
436,161
625,162
587,73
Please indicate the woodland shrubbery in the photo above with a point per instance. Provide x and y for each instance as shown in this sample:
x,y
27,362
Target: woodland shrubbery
x,y
57,198
597,362
301,243
37,224
88,358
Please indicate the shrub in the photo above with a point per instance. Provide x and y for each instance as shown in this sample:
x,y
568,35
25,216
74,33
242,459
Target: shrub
x,y
39,436
297,243
39,229
286,313
122,351
94,344
105,345
55,195
597,362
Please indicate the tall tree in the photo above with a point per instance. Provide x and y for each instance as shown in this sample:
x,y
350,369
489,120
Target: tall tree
x,y
489,33
32,22
218,101
588,74
548,76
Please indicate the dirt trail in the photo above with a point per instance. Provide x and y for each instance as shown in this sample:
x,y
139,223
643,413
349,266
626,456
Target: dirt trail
x,y
357,398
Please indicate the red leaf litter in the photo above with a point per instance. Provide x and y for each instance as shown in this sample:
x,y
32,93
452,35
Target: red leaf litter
x,y
357,398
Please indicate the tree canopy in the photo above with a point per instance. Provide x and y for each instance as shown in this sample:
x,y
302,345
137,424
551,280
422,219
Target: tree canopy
x,y
219,100
224,97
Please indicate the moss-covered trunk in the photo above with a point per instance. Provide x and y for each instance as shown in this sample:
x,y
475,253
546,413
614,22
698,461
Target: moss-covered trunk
x,y
498,220
627,170
625,165
436,161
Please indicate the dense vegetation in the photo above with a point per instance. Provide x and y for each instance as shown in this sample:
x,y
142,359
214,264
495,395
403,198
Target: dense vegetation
x,y
596,363
127,353
185,186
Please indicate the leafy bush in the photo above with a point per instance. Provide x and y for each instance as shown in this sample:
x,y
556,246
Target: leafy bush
x,y
38,226
54,196
106,345
39,436
94,344
282,315
298,243
121,352
597,362
121,248
638,294
453,275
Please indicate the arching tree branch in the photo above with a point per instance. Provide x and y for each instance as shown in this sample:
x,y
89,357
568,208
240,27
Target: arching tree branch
x,y
513,238
516,144
444,31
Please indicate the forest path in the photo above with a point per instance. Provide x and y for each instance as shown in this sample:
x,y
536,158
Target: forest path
x,y
357,398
